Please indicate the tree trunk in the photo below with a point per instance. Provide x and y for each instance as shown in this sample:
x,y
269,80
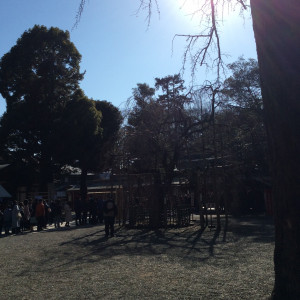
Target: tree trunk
x,y
156,202
276,25
83,184
46,168
215,185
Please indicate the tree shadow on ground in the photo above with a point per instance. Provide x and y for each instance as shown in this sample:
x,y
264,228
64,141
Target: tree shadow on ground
x,y
259,227
190,243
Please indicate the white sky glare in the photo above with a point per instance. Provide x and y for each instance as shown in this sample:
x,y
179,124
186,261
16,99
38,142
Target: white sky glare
x,y
118,49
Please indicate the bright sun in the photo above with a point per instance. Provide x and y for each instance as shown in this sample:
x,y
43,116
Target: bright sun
x,y
193,9
190,7
196,10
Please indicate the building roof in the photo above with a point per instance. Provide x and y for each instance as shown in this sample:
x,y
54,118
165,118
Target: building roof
x,y
3,166
4,193
95,188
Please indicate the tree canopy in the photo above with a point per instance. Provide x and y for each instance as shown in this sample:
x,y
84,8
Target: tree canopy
x,y
38,77
88,130
157,124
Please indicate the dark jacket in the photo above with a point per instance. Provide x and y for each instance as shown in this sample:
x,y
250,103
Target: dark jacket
x,y
109,209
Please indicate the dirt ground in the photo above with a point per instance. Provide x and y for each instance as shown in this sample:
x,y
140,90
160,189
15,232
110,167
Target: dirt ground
x,y
175,263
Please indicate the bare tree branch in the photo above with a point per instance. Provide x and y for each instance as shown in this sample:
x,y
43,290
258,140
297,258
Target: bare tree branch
x,y
79,13
200,46
243,3
148,6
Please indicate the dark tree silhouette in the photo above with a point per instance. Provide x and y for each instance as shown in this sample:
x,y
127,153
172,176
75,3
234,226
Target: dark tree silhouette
x,y
38,76
88,129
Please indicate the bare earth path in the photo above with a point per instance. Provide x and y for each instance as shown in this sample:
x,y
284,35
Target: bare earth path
x,y
182,263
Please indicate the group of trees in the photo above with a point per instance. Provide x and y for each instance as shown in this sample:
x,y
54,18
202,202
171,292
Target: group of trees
x,y
49,122
210,128
276,26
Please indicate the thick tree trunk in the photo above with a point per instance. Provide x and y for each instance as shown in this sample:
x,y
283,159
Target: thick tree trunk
x,y
276,25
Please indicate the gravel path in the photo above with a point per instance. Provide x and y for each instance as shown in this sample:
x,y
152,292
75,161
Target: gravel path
x,y
177,263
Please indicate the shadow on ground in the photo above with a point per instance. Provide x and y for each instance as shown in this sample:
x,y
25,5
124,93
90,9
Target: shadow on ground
x,y
189,243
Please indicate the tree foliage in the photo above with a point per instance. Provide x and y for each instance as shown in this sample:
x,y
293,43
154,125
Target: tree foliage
x,y
38,76
242,102
110,124
78,134
233,133
86,134
243,86
42,68
157,124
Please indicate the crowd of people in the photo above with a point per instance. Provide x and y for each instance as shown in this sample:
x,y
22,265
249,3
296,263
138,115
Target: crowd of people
x,y
24,216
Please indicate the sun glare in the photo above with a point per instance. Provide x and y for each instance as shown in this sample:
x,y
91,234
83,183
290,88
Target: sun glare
x,y
198,10
192,8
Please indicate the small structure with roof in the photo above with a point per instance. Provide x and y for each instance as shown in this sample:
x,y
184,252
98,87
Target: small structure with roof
x,y
4,193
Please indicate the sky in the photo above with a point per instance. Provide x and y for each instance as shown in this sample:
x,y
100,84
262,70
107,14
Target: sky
x,y
118,48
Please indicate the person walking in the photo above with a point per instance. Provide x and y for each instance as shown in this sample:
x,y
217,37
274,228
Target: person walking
x,y
110,211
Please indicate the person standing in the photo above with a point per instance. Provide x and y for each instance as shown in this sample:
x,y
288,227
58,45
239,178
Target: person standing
x,y
7,218
40,214
32,208
110,211
78,211
16,218
57,212
27,215
93,211
47,213
21,207
100,210
85,209
1,219
68,214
